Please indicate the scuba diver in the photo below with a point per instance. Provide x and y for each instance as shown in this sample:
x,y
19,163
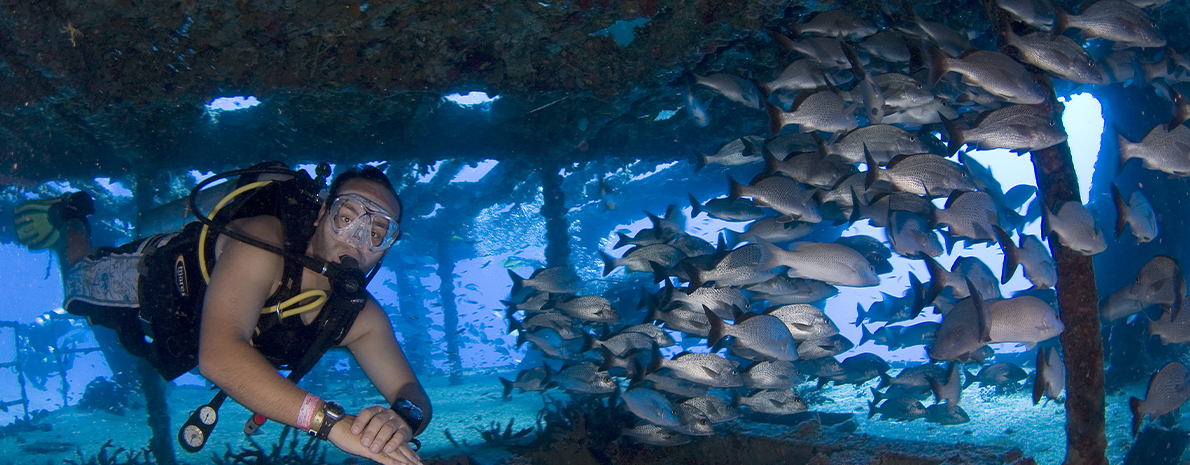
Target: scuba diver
x,y
270,280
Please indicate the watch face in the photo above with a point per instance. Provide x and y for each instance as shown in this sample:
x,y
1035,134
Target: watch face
x,y
207,415
414,412
193,436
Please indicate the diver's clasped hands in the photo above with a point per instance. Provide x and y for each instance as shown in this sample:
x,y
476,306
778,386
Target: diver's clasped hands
x,y
376,433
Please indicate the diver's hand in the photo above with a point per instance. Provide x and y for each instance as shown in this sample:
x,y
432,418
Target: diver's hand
x,y
382,430
343,437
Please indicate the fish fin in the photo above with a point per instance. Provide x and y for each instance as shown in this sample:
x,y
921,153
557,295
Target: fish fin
x,y
700,160
968,378
768,255
954,135
873,173
935,64
937,272
518,282
776,118
735,190
867,335
1121,209
695,206
1039,380
695,276
1011,255
507,387
660,273
609,264
770,162
1138,416
859,318
1122,145
919,295
1179,293
985,316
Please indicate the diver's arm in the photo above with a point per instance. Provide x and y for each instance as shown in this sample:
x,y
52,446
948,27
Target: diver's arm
x,y
374,346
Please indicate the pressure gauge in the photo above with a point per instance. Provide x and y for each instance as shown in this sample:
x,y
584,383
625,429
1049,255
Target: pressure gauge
x,y
207,415
193,436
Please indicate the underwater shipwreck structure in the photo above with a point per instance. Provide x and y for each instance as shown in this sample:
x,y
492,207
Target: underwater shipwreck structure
x,y
598,101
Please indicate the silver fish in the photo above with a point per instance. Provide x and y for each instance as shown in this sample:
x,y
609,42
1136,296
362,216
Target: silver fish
x,y
681,319
660,336
947,414
1137,212
691,246
888,45
1169,330
911,236
644,237
1160,281
639,258
773,402
772,375
783,290
547,341
837,23
804,321
822,367
771,229
707,369
1024,319
557,280
737,268
968,215
715,408
1168,390
884,141
585,378
825,347
1115,20
697,110
802,74
726,209
921,174
694,421
897,337
764,335
722,301
647,433
1059,55
561,323
930,113
736,152
1075,228
780,193
733,87
953,42
814,111
651,406
1037,13
1121,304
998,374
530,380
1161,150
914,377
622,343
901,91
895,408
993,72
827,262
587,308
1039,265
962,270
676,386
828,52
809,168
1051,375
1020,128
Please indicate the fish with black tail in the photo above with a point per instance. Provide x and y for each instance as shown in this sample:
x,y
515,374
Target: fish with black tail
x,y
1168,390
1051,375
556,280
1137,212
764,335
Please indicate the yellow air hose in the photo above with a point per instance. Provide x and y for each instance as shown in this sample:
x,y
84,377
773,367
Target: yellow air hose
x,y
282,308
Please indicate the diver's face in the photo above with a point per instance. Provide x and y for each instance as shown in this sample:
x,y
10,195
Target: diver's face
x,y
331,245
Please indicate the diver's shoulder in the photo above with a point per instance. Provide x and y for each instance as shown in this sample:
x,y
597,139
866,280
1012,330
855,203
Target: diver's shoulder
x,y
265,227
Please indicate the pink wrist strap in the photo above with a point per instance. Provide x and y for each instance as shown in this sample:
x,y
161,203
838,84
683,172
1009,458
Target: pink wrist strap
x,y
306,414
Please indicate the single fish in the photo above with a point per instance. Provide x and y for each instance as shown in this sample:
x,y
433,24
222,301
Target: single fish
x,y
993,72
827,262
679,387
947,414
897,337
872,249
764,335
697,110
1075,228
1115,20
883,140
772,375
911,236
888,45
1168,390
1037,13
1162,150
921,174
895,309
1051,375
530,380
866,88
660,336
639,258
722,301
901,92
804,321
783,290
773,402
827,51
726,209
770,229
707,369
953,42
1020,128
1039,265
968,215
825,347
1121,304
691,246
823,111
587,308
962,270
895,408
780,193
1059,55
934,112
736,152
548,342
842,24
803,74
557,280
1170,331
737,268
647,433
1160,281
644,237
1137,212
694,421
809,168
866,362
621,344
998,374
559,322
585,378
883,205
715,408
733,87
916,377
822,367
651,406
681,319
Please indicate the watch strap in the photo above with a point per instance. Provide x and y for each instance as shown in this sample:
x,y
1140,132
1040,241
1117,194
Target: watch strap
x,y
403,407
328,420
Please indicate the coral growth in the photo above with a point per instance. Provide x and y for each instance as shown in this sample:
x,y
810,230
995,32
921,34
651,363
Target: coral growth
x,y
102,458
310,453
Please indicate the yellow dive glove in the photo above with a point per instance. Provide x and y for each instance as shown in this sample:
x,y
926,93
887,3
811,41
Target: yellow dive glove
x,y
38,222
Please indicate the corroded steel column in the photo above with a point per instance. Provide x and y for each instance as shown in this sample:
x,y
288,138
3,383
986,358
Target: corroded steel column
x,y
450,312
1078,306
557,231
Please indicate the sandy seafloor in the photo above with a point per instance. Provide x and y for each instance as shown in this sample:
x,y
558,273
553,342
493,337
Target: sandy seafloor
x,y
1004,420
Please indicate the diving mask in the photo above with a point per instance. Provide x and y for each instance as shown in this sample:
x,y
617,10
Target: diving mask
x,y
363,223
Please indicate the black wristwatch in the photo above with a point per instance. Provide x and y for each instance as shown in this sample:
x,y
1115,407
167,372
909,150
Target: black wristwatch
x,y
332,414
410,413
